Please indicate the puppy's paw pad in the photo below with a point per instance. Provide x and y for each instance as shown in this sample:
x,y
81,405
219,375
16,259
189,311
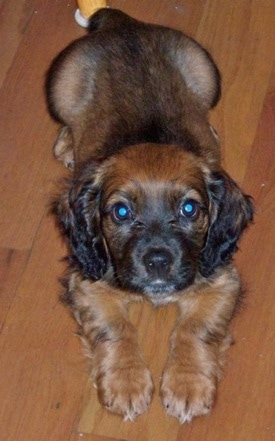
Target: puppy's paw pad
x,y
185,396
127,392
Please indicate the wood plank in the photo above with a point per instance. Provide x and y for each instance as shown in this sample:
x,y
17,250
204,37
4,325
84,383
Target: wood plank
x,y
26,133
14,17
41,367
12,263
85,437
241,39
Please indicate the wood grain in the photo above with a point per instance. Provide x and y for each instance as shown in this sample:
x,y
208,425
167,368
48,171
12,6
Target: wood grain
x,y
12,263
45,392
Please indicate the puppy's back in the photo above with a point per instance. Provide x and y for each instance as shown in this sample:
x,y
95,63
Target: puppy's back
x,y
128,82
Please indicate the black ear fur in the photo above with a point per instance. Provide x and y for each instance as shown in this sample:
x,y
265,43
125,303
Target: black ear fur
x,y
232,211
77,212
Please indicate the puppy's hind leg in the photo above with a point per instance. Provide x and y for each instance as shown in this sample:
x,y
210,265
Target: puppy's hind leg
x,y
63,148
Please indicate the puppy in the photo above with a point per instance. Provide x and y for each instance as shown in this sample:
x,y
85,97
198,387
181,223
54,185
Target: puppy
x,y
149,213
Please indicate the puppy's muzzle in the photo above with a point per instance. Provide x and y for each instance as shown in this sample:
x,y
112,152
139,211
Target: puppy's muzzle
x,y
158,262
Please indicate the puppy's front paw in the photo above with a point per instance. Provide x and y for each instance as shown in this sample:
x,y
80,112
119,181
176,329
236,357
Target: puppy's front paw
x,y
186,395
126,391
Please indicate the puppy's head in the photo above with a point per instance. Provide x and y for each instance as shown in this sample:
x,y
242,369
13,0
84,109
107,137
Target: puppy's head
x,y
150,218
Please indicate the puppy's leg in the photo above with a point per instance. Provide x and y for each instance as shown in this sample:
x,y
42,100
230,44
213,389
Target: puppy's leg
x,y
63,147
198,345
123,382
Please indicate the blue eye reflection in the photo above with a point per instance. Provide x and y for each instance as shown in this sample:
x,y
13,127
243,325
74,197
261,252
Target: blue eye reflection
x,y
189,209
121,212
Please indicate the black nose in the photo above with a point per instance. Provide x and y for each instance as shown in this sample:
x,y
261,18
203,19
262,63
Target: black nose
x,y
158,262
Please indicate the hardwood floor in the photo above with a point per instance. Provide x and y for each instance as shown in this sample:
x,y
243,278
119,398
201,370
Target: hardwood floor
x,y
45,393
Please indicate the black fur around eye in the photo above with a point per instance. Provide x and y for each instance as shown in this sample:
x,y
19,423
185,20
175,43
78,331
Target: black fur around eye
x,y
189,209
121,212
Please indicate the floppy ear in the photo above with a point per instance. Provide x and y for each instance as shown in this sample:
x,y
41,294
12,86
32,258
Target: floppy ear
x,y
78,215
232,211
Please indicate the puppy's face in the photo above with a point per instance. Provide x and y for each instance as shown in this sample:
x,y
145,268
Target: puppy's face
x,y
154,217
151,218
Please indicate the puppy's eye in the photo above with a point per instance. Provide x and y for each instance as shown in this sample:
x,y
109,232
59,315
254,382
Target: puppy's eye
x,y
189,209
121,212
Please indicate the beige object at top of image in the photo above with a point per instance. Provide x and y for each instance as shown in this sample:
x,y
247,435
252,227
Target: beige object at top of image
x,y
89,7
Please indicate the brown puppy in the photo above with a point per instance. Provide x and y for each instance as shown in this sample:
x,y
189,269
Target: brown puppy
x,y
149,213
